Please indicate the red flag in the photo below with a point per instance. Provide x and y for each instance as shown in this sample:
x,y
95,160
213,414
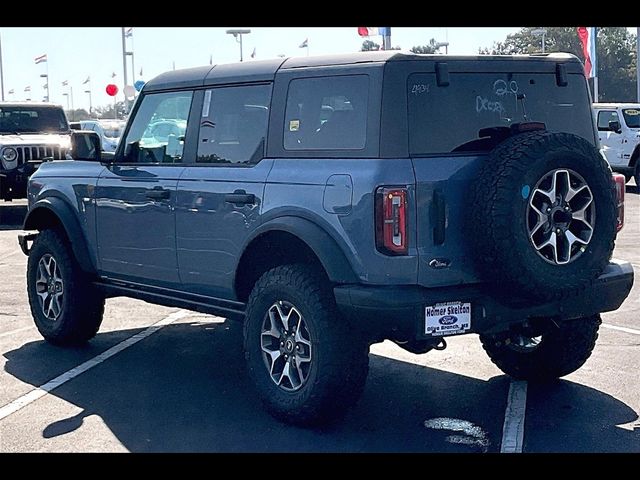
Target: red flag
x,y
583,34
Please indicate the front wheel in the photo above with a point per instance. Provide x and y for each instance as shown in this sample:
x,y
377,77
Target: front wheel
x,y
66,307
308,366
554,353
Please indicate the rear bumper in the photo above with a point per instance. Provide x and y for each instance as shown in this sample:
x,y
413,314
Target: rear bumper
x,y
400,310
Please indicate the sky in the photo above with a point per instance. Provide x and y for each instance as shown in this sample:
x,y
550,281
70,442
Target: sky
x,y
75,53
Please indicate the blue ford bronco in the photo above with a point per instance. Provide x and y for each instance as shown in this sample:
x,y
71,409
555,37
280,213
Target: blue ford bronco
x,y
336,201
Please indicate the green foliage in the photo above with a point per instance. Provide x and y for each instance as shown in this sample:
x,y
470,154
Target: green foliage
x,y
106,111
368,46
616,55
77,114
429,48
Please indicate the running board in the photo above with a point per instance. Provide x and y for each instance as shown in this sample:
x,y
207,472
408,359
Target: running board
x,y
172,298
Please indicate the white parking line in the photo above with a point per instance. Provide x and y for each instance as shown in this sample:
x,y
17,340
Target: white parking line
x,y
513,428
41,391
622,329
6,334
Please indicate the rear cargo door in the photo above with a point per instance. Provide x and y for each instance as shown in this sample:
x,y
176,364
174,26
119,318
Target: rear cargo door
x,y
446,114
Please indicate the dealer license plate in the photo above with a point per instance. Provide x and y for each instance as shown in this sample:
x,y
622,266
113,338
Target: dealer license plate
x,y
451,318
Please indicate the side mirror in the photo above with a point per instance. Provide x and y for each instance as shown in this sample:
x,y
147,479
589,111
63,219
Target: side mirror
x,y
614,126
85,145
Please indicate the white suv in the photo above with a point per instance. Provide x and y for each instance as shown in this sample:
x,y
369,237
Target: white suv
x,y
619,134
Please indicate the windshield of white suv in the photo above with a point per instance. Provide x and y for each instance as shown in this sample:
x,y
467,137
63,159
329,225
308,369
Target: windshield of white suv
x,y
28,119
631,117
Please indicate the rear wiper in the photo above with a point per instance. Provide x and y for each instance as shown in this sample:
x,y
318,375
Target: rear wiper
x,y
11,132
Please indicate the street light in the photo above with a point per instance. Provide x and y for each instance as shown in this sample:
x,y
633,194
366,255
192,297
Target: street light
x,y
540,32
237,34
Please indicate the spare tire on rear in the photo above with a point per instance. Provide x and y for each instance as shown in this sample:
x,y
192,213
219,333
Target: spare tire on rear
x,y
543,218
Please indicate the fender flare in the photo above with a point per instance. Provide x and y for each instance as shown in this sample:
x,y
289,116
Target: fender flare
x,y
69,221
323,245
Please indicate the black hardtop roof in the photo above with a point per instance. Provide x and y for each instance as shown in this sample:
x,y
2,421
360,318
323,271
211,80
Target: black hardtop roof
x,y
265,70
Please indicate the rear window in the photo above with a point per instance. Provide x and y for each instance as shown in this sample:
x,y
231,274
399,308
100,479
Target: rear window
x,y
631,117
327,113
448,119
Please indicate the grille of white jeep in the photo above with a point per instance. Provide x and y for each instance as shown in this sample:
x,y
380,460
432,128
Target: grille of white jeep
x,y
40,152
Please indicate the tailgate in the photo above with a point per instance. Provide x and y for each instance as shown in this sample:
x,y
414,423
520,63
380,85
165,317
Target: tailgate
x,y
444,251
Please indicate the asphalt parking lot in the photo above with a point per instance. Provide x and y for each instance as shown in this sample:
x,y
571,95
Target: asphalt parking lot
x,y
181,385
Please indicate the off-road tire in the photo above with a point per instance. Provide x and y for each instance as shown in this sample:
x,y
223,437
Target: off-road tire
x,y
340,360
561,351
82,304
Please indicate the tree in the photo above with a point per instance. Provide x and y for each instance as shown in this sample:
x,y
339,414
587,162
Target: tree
x,y
368,46
106,112
431,47
77,114
616,56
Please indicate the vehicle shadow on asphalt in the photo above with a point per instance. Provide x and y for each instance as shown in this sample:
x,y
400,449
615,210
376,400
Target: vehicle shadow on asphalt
x,y
185,389
12,216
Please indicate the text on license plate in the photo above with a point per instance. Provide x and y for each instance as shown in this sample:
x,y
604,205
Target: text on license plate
x,y
451,318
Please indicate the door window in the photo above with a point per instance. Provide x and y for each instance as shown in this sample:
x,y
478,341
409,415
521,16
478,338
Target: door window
x,y
606,116
158,129
233,125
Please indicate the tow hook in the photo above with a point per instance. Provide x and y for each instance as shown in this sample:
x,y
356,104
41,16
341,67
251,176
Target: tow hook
x,y
441,345
24,239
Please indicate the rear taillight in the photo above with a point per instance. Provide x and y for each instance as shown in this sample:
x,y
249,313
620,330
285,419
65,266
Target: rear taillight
x,y
391,220
620,186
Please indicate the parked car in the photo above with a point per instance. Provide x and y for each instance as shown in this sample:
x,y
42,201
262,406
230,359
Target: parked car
x,y
619,134
332,202
109,131
30,133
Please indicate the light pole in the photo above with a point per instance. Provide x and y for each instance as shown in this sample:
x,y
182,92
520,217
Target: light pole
x,y
237,34
443,44
540,32
46,82
90,106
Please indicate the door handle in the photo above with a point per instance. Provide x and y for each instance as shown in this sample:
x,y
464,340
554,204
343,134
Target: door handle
x,y
240,197
158,193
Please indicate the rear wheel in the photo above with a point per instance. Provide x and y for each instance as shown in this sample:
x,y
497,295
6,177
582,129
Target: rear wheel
x,y
308,366
544,355
66,307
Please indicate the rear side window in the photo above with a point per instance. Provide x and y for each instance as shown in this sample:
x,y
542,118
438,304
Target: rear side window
x,y
631,117
233,125
445,119
606,116
327,113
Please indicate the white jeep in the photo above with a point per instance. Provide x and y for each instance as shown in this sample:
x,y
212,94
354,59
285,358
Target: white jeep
x,y
619,134
30,133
